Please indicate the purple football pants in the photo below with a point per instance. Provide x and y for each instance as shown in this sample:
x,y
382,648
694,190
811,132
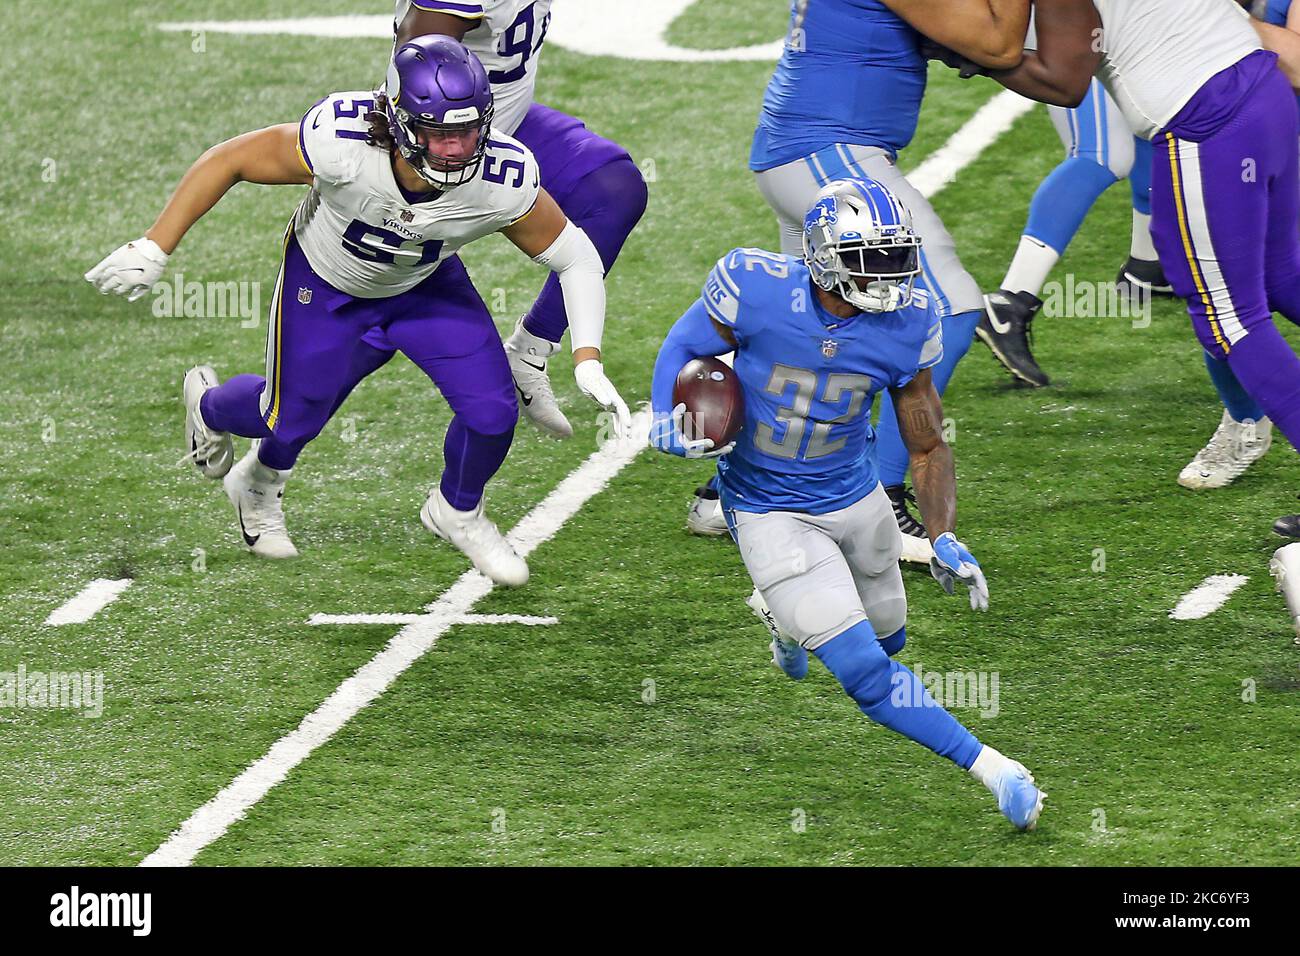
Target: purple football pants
x,y
1226,222
315,351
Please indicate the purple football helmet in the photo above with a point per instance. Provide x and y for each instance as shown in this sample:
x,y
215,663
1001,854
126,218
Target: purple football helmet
x,y
439,109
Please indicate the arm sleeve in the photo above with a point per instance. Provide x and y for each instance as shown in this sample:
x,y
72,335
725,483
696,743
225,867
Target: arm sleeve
x,y
691,336
582,280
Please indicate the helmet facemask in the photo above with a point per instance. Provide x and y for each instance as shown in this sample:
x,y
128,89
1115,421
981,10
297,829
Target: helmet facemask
x,y
872,276
417,137
859,243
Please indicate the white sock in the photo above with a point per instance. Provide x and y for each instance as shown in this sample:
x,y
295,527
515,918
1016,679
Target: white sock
x,y
524,341
1143,248
987,766
1033,263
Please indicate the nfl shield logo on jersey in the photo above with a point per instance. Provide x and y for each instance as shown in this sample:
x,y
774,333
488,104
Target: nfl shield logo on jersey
x,y
829,348
406,215
304,295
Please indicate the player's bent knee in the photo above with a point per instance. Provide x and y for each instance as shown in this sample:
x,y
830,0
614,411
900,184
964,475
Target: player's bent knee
x,y
895,642
491,416
298,425
888,617
620,190
632,191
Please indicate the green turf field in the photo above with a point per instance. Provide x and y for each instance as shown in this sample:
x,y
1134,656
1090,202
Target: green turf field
x,y
546,745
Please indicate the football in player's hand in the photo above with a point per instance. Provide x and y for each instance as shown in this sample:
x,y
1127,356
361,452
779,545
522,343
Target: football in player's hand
x,y
715,404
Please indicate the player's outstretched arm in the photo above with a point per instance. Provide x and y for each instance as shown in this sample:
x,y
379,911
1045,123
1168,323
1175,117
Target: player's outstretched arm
x,y
269,156
548,236
988,32
695,335
1070,45
920,422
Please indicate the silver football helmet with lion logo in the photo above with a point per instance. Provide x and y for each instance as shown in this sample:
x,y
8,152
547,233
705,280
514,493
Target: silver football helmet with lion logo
x,y
859,243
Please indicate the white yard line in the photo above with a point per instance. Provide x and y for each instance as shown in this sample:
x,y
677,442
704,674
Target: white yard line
x,y
1207,597
412,642
92,599
527,619
421,632
981,131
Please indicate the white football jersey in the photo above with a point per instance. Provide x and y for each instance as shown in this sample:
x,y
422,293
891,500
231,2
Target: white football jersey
x,y
362,235
1159,53
507,37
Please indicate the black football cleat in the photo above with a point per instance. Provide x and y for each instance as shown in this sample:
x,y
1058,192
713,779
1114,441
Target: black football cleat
x,y
1142,278
1005,327
1288,526
916,541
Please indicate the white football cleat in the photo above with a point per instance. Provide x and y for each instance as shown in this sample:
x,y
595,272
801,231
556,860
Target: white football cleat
x,y
257,492
211,452
528,356
477,538
1285,568
705,515
1234,448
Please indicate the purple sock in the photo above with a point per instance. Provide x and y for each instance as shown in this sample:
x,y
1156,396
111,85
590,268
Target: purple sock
x,y
1270,373
470,459
235,407
606,204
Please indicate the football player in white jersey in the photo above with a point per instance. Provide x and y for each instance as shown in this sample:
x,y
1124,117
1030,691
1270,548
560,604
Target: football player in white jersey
x,y
1193,76
592,179
399,182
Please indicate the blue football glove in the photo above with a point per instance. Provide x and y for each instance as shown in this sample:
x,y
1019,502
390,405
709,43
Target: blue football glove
x,y
668,435
953,562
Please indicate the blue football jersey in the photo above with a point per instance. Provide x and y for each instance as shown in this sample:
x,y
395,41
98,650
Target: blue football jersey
x,y
809,380
852,72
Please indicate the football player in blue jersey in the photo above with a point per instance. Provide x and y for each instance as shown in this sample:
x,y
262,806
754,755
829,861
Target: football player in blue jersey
x,y
844,100
816,338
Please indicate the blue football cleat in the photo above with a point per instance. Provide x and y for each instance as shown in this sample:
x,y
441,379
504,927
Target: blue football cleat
x,y
1019,800
790,657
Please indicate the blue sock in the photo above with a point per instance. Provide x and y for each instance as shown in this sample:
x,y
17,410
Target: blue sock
x,y
1235,399
1064,198
894,642
1140,178
892,458
891,695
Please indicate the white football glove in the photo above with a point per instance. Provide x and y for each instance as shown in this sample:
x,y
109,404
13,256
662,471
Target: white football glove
x,y
129,270
590,375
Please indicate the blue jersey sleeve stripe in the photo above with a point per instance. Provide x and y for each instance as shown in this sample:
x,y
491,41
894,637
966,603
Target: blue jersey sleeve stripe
x,y
932,350
721,296
724,276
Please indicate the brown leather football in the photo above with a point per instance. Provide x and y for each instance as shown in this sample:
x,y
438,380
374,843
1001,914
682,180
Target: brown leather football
x,y
715,403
